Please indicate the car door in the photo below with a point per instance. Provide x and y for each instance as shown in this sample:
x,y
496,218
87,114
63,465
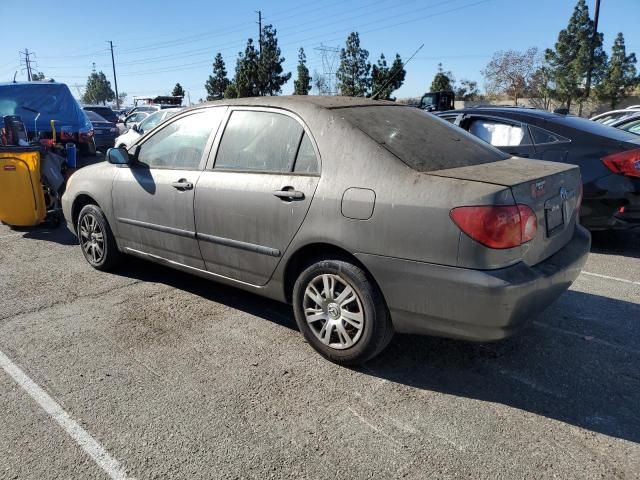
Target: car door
x,y
153,197
253,197
549,145
509,136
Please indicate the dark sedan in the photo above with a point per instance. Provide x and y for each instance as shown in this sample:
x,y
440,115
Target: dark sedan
x,y
609,158
104,132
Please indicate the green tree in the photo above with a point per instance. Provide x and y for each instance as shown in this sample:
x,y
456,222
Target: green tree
x,y
442,80
568,62
231,91
540,88
302,85
178,91
98,89
247,80
122,97
620,75
270,72
353,78
509,72
467,91
218,82
385,80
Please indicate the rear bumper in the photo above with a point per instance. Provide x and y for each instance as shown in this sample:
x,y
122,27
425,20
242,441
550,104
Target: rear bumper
x,y
478,305
603,199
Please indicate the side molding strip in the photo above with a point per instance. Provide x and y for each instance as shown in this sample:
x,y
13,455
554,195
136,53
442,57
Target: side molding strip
x,y
227,242
159,228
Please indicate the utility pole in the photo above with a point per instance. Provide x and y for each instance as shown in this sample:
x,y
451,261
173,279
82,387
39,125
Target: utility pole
x,y
259,12
27,62
115,80
587,87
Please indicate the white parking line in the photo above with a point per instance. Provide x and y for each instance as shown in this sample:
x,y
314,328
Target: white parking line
x,y
623,280
111,466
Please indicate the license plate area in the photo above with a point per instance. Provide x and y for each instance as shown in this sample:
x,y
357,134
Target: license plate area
x,y
554,215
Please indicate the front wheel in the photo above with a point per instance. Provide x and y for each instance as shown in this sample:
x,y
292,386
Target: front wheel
x,y
96,239
341,312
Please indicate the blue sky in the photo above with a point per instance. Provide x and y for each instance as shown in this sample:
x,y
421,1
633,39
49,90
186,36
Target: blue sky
x,y
159,43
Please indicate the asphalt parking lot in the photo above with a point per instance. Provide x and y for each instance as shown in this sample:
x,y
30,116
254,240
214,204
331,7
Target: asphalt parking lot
x,y
151,373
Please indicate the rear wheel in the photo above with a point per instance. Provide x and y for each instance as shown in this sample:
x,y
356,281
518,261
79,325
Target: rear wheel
x,y
96,239
341,312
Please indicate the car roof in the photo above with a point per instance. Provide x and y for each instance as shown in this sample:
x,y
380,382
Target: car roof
x,y
294,101
569,121
529,112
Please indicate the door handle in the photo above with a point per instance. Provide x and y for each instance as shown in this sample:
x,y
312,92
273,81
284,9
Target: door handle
x,y
288,193
182,184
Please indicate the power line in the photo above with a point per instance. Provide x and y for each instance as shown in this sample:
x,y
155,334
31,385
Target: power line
x,y
27,62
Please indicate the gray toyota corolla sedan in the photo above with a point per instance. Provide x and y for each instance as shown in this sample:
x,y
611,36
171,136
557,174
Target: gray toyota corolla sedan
x,y
369,217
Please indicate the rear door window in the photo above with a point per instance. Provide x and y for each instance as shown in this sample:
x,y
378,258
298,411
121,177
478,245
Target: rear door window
x,y
500,134
541,136
260,141
421,140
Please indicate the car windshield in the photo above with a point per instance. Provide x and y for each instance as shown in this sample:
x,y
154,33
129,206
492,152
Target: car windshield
x,y
151,121
631,127
428,100
592,127
94,117
44,99
421,140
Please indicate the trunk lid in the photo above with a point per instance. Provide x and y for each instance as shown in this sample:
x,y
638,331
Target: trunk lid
x,y
550,189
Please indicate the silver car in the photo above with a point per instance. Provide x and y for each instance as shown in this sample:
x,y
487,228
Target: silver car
x,y
368,217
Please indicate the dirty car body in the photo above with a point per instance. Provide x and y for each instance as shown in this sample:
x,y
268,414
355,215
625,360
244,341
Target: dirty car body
x,y
362,214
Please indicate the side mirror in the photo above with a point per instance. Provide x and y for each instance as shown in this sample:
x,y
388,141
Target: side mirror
x,y
136,128
118,156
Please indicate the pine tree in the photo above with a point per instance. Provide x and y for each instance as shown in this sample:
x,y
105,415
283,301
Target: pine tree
x,y
620,74
247,79
353,78
218,82
302,85
442,80
178,91
568,63
270,72
385,80
98,89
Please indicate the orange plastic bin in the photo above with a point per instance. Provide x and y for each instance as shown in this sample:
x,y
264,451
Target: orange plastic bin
x,y
22,202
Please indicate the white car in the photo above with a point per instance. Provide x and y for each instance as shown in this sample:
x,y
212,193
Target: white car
x,y
136,129
608,118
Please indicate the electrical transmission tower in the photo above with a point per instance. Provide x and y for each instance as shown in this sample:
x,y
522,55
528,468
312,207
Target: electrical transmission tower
x,y
27,61
329,66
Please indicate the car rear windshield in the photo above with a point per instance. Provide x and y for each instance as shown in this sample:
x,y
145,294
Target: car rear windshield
x,y
421,140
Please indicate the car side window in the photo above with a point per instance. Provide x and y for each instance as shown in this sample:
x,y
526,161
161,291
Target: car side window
x,y
181,143
541,136
259,141
306,160
499,134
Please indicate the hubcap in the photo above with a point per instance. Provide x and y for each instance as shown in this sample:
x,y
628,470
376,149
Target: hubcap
x,y
333,311
91,238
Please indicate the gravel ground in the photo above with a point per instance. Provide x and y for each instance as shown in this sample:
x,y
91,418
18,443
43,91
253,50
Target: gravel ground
x,y
176,377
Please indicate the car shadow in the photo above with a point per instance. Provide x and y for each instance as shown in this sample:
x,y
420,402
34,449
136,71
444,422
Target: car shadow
x,y
248,302
624,242
48,232
575,364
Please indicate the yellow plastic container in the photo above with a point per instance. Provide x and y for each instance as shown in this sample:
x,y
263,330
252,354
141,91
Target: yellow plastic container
x,y
22,201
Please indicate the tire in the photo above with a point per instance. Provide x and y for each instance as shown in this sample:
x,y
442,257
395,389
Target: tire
x,y
96,239
351,324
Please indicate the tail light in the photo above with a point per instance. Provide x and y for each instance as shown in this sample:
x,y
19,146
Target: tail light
x,y
497,226
625,163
